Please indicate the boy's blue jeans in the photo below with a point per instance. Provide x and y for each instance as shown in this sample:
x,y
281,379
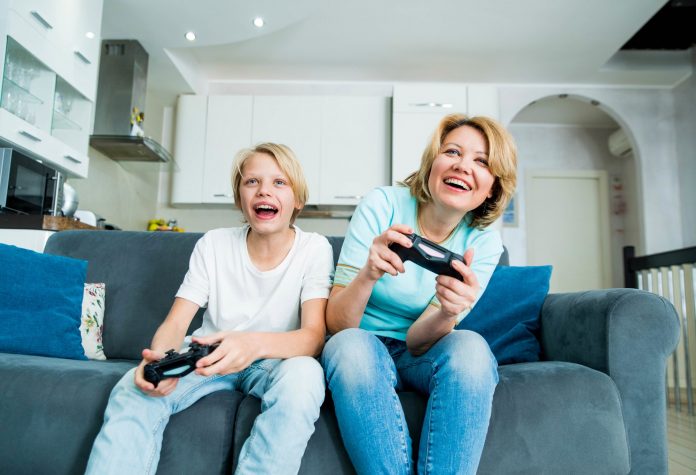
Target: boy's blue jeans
x,y
291,393
459,373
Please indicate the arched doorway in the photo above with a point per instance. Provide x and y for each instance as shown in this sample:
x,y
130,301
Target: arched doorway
x,y
577,198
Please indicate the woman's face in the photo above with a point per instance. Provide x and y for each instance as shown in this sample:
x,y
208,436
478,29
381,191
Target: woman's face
x,y
459,176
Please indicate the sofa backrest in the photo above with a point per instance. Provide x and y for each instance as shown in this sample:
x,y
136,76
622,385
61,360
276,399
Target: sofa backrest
x,y
142,272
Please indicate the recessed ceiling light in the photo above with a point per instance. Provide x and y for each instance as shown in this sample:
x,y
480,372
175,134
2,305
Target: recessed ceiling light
x,y
89,35
191,36
258,22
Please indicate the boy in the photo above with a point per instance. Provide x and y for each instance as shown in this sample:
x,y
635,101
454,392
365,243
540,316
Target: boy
x,y
265,286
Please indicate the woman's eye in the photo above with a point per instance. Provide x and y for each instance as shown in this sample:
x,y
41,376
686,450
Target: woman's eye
x,y
483,162
452,152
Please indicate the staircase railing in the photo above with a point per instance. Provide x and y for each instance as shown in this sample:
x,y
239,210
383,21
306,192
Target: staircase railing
x,y
671,275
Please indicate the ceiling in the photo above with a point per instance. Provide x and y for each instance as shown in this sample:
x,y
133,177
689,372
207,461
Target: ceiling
x,y
385,41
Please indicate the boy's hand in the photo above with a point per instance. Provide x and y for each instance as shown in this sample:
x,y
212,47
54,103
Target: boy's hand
x,y
164,388
236,352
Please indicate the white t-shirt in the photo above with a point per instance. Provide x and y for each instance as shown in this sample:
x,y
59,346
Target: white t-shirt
x,y
239,297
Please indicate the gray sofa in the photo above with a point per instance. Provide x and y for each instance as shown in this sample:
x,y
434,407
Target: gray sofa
x,y
595,404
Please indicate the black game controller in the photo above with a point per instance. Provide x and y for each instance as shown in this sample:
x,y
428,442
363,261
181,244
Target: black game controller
x,y
428,255
176,365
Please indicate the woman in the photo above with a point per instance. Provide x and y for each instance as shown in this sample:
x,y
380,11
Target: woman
x,y
393,323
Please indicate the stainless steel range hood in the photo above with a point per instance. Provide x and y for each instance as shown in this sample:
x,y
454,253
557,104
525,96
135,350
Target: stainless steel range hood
x,y
121,88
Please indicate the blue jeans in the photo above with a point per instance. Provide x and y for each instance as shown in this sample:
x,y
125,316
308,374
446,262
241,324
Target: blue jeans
x,y
291,393
459,375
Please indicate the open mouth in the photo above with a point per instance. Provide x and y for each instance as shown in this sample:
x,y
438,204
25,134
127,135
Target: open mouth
x,y
457,184
265,211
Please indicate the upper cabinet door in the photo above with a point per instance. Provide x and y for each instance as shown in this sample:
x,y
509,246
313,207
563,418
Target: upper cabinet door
x,y
355,146
228,131
189,149
294,121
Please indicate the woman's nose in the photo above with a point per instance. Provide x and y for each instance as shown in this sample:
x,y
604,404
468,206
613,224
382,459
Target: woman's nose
x,y
463,164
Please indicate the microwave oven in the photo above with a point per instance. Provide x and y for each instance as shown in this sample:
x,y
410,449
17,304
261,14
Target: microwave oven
x,y
27,186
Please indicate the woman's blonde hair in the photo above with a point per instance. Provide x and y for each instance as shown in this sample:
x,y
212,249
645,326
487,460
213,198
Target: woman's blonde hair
x,y
287,162
502,162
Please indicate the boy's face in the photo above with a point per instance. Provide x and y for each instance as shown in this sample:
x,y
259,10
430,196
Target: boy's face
x,y
267,198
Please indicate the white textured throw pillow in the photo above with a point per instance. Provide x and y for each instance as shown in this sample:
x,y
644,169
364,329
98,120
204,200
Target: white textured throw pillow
x,y
92,320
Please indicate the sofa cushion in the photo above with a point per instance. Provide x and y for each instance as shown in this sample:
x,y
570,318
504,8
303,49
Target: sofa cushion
x,y
40,303
507,314
555,417
55,407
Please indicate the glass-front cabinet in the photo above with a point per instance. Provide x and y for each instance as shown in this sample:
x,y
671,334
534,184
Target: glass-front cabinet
x,y
48,89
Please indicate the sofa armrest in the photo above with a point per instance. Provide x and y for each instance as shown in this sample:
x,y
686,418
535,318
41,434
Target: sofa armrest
x,y
627,334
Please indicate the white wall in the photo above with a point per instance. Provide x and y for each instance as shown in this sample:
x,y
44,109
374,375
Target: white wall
x,y
685,127
647,115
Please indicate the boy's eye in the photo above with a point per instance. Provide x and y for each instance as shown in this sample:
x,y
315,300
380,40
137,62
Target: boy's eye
x,y
280,182
251,181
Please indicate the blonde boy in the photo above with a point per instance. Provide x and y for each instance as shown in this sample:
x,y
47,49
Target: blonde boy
x,y
265,286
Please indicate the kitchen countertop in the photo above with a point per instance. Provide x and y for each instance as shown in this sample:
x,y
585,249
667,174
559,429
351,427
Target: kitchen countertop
x,y
46,223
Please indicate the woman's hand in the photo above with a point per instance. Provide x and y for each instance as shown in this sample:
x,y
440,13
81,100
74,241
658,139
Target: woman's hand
x,y
164,388
381,259
236,352
456,296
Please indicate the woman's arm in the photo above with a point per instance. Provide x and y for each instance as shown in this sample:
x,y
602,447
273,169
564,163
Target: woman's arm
x,y
238,350
169,335
347,304
455,297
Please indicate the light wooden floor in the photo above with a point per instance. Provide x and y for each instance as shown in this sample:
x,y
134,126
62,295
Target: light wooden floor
x,y
681,441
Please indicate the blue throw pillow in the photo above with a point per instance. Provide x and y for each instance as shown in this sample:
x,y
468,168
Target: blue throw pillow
x,y
40,303
507,314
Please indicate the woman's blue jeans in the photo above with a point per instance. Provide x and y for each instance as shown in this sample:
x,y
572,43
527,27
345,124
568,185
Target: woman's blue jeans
x,y
458,373
291,393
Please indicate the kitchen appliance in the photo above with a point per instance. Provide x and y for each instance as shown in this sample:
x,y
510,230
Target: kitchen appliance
x,y
27,186
70,200
120,100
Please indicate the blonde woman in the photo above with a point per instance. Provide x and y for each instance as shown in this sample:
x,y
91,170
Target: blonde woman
x,y
265,286
393,323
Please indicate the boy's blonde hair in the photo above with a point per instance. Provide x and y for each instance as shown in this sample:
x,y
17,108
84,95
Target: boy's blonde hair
x,y
502,162
287,162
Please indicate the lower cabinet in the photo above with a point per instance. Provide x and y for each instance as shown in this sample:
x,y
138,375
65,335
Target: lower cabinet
x,y
342,142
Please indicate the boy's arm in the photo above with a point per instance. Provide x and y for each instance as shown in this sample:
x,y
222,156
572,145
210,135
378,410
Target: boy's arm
x,y
238,350
169,335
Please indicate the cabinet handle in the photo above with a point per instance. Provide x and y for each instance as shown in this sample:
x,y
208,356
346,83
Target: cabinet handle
x,y
348,197
29,136
72,159
82,57
37,16
443,105
222,195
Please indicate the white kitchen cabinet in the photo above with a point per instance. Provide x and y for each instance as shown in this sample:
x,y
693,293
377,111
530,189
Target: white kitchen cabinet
x,y
294,121
341,142
228,130
189,149
49,76
418,108
355,145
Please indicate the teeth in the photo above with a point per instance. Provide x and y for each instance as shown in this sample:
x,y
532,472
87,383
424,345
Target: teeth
x,y
266,207
455,182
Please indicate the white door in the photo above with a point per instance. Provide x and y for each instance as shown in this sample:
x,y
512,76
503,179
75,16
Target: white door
x,y
568,227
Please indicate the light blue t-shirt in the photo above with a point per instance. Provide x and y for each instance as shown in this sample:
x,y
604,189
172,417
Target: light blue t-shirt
x,y
396,302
